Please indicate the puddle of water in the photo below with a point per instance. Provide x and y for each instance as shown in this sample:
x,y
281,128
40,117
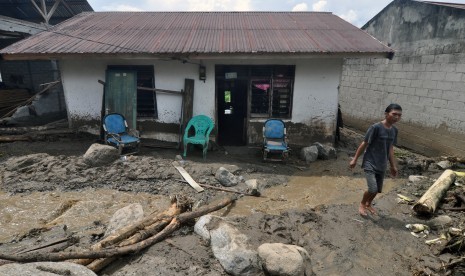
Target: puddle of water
x,y
21,213
304,191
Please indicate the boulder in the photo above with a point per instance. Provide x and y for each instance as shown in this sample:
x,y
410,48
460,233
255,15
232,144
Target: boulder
x,y
309,154
226,178
325,152
46,269
99,155
125,216
284,259
231,249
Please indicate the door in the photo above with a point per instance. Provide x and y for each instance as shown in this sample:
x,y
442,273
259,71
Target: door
x,y
231,98
121,94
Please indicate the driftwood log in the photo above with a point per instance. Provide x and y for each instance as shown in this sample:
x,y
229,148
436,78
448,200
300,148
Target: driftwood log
x,y
429,202
119,251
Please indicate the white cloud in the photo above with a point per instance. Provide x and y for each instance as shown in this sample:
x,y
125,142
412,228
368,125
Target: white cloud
x,y
120,8
219,5
320,5
350,16
300,7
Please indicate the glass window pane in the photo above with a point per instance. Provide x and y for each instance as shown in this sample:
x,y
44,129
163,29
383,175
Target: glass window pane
x,y
260,96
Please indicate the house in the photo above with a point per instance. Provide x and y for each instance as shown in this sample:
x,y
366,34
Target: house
x,y
239,68
24,80
426,76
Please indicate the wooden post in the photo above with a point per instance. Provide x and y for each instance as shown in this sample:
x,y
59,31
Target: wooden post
x,y
428,203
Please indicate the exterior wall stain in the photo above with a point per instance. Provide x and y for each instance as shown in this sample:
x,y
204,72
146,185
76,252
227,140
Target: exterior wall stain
x,y
299,134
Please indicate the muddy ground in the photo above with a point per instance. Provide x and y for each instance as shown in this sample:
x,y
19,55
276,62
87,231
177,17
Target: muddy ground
x,y
45,185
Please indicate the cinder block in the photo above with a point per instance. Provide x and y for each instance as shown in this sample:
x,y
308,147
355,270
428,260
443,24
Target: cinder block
x,y
451,76
444,85
439,76
430,84
448,67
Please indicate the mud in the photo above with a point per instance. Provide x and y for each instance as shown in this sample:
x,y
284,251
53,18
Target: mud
x,y
313,206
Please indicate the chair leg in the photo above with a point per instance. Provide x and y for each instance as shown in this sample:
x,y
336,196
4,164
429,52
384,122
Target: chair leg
x,y
205,148
185,150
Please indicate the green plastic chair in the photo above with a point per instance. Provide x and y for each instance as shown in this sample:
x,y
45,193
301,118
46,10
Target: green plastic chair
x,y
202,125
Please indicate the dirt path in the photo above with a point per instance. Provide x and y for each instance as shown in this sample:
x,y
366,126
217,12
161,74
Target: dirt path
x,y
313,206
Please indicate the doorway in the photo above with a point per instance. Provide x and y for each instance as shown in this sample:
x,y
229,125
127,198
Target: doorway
x,y
231,95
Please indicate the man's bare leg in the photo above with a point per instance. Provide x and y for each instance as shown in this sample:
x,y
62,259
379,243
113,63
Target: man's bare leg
x,y
368,205
362,208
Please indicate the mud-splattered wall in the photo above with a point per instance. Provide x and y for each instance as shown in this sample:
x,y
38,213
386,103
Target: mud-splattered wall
x,y
425,77
314,109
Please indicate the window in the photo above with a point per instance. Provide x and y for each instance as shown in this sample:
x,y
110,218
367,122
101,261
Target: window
x,y
272,96
146,99
270,87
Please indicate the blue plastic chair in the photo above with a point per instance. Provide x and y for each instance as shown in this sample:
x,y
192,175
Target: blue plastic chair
x,y
117,134
202,125
274,140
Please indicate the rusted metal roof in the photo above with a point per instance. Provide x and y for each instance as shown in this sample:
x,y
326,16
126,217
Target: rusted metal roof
x,y
209,33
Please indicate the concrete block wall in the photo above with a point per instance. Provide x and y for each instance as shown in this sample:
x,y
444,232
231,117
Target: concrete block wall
x,y
427,80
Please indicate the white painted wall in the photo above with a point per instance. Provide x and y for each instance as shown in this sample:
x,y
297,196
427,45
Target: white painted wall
x,y
315,88
315,91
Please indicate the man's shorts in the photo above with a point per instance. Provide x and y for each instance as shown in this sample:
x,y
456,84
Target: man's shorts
x,y
374,181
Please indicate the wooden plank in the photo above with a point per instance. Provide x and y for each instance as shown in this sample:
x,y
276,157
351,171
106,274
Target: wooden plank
x,y
187,177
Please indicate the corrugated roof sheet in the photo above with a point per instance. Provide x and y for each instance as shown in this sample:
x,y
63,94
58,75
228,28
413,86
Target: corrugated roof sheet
x,y
161,33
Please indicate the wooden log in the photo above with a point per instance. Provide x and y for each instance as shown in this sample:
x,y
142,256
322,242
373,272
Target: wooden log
x,y
113,252
428,203
130,230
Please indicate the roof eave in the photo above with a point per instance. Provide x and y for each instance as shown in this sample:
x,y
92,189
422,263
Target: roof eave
x,y
197,56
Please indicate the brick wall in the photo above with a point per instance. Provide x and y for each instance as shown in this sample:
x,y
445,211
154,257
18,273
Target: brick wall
x,y
426,79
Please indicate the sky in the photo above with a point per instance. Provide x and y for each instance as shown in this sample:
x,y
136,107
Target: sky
x,y
357,12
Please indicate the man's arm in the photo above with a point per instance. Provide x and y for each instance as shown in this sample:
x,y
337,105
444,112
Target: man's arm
x,y
359,152
392,161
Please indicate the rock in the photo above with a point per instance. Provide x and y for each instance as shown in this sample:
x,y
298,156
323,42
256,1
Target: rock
x,y
325,152
284,259
444,164
99,155
46,269
232,168
309,154
231,249
416,178
200,227
226,178
252,185
440,222
125,216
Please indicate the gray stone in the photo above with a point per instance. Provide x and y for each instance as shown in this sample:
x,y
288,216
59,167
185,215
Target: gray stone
x,y
46,269
440,222
200,227
284,259
416,178
231,249
445,164
225,177
125,216
309,154
325,152
99,155
252,185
